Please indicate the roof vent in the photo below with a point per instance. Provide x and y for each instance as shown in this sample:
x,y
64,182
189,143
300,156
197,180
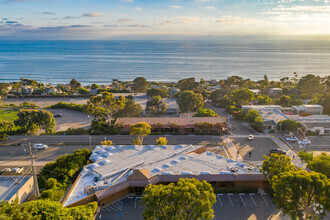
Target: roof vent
x,y
219,157
174,162
208,153
205,172
186,173
165,166
183,158
156,170
224,172
167,173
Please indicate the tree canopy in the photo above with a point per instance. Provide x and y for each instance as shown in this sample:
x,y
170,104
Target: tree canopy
x,y
289,125
75,85
187,84
155,92
140,84
141,130
31,120
187,199
190,101
131,109
202,112
110,105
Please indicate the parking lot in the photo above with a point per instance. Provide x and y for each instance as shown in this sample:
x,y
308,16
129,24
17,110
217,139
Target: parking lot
x,y
228,206
258,147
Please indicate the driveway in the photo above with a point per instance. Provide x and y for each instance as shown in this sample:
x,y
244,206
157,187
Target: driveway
x,y
71,119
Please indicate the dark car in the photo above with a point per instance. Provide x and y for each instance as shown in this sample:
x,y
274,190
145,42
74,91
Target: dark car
x,y
57,115
277,151
253,131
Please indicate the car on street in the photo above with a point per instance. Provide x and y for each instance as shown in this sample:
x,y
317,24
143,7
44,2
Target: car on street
x,y
40,146
17,170
6,170
304,142
250,137
253,131
291,139
57,115
277,151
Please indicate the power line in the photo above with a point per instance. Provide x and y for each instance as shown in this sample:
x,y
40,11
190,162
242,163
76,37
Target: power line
x,y
34,170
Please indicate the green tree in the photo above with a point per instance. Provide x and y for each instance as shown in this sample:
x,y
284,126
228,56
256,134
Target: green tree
x,y
306,157
310,85
241,96
188,199
157,92
284,100
190,101
321,164
275,165
94,86
131,109
4,88
155,100
202,112
289,125
83,91
216,96
31,120
6,127
302,195
161,141
75,85
263,100
109,104
141,130
140,84
187,84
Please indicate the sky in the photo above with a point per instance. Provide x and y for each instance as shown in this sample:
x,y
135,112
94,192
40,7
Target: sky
x,y
163,19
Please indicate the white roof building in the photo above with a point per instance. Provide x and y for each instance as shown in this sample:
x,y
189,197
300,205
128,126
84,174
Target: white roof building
x,y
117,168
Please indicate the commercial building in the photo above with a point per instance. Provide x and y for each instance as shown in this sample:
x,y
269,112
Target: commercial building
x,y
122,170
15,187
180,125
261,107
172,106
311,109
317,124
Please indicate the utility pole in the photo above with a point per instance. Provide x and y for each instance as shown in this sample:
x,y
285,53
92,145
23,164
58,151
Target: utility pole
x,y
34,170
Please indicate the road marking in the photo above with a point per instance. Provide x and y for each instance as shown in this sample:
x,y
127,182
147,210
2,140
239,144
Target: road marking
x,y
240,195
218,195
231,202
252,194
136,199
264,198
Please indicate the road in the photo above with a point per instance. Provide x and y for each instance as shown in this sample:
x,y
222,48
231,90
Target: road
x,y
239,127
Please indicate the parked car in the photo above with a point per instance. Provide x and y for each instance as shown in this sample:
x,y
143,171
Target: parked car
x,y
6,170
17,170
250,137
304,142
253,131
40,146
277,151
292,139
57,115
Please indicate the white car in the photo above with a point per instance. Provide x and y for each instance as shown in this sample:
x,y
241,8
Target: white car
x,y
304,142
40,146
17,170
250,137
6,170
292,139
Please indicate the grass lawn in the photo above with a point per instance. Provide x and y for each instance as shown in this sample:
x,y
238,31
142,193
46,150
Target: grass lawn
x,y
8,115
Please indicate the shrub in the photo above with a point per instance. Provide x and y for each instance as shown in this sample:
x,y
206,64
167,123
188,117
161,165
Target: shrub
x,y
107,142
161,141
271,131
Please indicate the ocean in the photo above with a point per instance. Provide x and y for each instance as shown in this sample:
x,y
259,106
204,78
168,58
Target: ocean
x,y
101,61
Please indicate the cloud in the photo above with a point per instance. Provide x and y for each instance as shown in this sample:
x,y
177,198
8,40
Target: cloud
x,y
176,6
187,20
137,25
5,19
234,20
206,0
92,14
70,17
11,22
128,0
124,20
210,7
164,23
138,9
110,25
48,13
